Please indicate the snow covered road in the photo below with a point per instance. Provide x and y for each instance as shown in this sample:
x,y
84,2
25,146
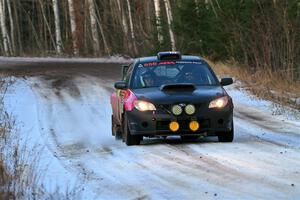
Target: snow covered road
x,y
70,113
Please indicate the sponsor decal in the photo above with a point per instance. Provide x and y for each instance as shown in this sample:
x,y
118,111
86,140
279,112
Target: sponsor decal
x,y
167,63
152,64
189,62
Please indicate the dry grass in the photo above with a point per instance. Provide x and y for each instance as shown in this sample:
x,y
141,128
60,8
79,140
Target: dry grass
x,y
3,180
263,83
20,173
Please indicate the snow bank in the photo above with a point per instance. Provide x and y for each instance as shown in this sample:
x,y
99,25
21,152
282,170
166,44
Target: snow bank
x,y
241,96
54,177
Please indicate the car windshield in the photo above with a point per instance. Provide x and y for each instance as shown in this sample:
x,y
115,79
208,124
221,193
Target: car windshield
x,y
155,74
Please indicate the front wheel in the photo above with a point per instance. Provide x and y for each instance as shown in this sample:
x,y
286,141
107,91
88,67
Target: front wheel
x,y
113,126
127,137
115,130
227,136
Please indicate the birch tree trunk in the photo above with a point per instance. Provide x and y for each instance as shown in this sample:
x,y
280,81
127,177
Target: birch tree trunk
x,y
158,21
95,34
19,45
131,28
12,28
73,27
5,36
57,27
106,48
148,15
124,22
170,20
46,25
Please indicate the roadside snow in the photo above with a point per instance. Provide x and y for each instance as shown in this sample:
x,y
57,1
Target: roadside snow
x,y
21,101
241,96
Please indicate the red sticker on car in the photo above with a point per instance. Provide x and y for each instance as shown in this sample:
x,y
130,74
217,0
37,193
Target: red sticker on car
x,y
151,64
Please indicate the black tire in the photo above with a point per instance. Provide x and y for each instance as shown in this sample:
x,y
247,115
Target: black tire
x,y
127,137
118,135
113,126
226,136
115,129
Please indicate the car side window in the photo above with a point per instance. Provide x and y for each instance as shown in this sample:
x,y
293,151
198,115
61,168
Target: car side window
x,y
129,72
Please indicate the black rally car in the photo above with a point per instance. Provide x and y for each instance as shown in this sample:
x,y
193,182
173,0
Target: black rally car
x,y
171,94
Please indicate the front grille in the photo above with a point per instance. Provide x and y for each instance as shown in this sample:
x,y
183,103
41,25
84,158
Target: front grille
x,y
163,109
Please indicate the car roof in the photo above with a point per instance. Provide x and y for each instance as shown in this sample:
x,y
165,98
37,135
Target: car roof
x,y
155,59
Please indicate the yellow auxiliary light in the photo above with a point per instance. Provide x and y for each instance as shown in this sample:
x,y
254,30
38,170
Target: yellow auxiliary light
x,y
194,125
176,110
190,109
174,126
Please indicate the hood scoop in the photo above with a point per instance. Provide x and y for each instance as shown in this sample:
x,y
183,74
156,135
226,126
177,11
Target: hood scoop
x,y
180,87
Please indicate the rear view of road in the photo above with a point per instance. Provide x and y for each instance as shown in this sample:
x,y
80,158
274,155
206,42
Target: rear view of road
x,y
73,117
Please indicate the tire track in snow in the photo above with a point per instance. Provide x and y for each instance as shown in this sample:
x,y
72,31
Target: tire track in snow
x,y
222,171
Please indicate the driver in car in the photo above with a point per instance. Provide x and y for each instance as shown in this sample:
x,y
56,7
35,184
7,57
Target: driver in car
x,y
189,77
147,79
193,76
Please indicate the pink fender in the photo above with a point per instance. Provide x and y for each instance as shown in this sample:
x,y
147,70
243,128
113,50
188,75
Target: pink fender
x,y
129,98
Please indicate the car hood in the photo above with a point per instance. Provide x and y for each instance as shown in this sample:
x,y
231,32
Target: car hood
x,y
199,94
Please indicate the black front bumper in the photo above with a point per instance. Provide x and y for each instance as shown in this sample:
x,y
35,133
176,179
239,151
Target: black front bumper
x,y
151,123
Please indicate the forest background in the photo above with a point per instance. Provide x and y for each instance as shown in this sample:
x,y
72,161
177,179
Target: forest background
x,y
260,35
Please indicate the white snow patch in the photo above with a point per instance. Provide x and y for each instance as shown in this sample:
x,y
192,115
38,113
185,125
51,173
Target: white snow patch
x,y
244,97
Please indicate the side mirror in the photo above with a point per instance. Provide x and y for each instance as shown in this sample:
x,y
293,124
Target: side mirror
x,y
226,81
121,85
124,70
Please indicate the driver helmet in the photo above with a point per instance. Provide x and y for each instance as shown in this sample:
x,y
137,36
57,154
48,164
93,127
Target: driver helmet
x,y
147,79
188,73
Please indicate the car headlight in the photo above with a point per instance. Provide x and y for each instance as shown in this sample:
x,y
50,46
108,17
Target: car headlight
x,y
219,103
143,105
